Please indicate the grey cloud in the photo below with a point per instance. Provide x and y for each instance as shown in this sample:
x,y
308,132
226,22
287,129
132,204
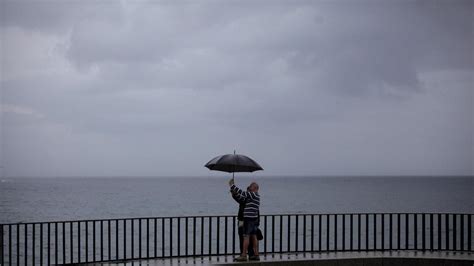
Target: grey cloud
x,y
370,45
55,16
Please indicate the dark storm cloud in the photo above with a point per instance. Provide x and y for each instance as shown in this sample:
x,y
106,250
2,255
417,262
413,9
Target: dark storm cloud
x,y
370,45
331,79
55,16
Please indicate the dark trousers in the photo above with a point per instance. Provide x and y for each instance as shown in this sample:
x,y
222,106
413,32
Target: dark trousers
x,y
241,240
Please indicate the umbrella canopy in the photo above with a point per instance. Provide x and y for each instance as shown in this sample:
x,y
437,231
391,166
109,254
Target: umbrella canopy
x,y
232,163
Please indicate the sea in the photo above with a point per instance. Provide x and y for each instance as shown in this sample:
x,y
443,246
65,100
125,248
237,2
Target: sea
x,y
63,199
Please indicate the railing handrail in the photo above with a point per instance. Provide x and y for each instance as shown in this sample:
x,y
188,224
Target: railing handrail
x,y
233,215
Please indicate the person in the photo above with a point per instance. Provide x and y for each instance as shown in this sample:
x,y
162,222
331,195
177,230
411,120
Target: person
x,y
240,219
250,214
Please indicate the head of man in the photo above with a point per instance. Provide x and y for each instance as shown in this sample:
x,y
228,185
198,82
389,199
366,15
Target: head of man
x,y
253,187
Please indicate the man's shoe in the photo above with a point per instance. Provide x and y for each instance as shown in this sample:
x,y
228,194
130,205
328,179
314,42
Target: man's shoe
x,y
255,258
240,258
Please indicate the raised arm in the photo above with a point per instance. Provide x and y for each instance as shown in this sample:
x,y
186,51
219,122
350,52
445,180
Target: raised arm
x,y
237,198
243,195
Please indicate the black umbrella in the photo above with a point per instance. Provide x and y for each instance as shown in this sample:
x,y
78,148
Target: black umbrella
x,y
232,163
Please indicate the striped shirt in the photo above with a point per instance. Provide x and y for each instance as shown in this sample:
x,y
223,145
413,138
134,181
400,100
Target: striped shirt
x,y
252,201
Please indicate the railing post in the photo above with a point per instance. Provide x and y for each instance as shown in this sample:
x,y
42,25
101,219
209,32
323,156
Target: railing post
x,y
335,232
186,237
281,233
375,231
391,232
2,250
359,232
218,235
64,243
71,242
382,229
18,244
273,233
93,241
194,236
41,244
455,225
351,232
423,233
289,233
55,243
461,218
155,238
343,232
87,241
162,237
210,236
447,230
140,238
148,237
9,244
367,231
178,225
109,240
439,232
117,239
469,232
431,231
33,244
415,230
132,239
296,233
26,244
225,237
265,235
171,237
304,233
233,235
125,238
202,235
312,232
102,240
79,241
399,236
327,232
319,232
407,227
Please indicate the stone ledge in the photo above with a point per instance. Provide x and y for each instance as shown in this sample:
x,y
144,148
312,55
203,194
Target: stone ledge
x,y
363,262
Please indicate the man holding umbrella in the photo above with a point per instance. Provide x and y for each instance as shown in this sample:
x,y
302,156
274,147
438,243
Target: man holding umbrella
x,y
233,163
251,211
240,219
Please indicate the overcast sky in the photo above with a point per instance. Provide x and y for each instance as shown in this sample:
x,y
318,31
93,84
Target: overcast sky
x,y
158,88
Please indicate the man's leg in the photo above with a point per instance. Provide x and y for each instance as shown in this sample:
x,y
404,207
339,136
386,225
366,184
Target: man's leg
x,y
241,239
250,248
245,246
254,240
246,233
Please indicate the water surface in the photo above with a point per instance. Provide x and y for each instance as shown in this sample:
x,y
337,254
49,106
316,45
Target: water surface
x,y
51,199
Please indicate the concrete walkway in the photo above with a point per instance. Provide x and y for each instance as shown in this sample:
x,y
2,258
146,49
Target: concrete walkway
x,y
326,259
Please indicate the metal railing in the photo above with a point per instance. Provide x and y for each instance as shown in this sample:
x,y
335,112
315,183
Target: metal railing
x,y
66,242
